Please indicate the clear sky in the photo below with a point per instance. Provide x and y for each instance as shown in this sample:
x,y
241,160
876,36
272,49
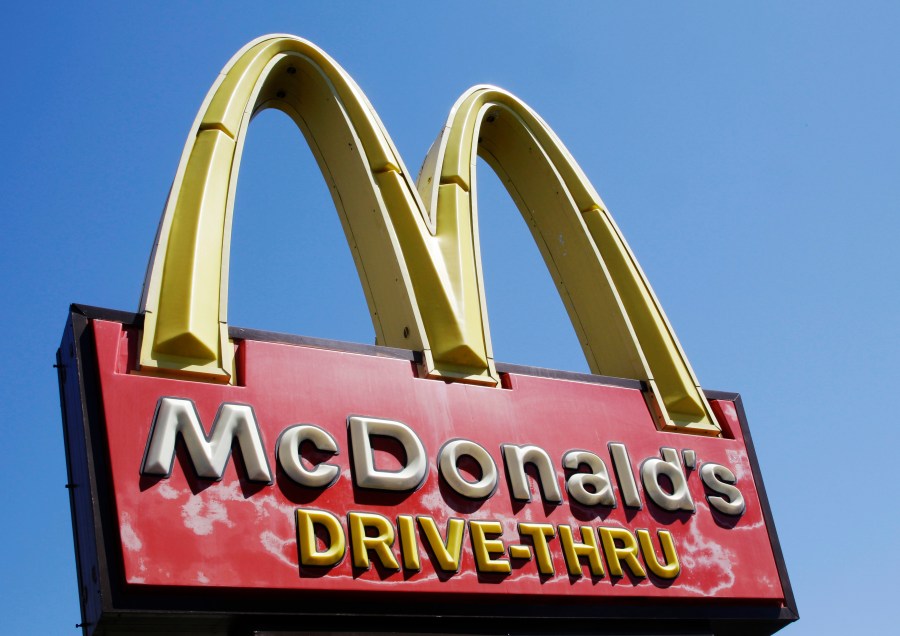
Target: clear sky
x,y
750,154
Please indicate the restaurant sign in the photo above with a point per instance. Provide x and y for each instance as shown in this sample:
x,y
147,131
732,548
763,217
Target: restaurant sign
x,y
225,479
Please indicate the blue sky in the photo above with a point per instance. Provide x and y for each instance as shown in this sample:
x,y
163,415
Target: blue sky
x,y
750,155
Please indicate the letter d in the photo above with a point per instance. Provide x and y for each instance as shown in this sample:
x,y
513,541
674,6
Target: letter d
x,y
307,520
366,474
670,466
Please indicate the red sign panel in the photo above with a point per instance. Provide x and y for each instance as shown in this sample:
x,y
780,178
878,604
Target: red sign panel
x,y
184,530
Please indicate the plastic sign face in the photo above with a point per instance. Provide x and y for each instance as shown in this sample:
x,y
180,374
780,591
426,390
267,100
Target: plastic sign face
x,y
223,479
335,471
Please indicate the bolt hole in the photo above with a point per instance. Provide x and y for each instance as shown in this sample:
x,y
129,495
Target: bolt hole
x,y
291,70
406,332
491,119
280,94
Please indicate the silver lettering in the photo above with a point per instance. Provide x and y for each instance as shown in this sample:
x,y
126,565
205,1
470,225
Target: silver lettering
x,y
364,470
590,489
670,466
209,455
720,479
447,462
322,475
516,457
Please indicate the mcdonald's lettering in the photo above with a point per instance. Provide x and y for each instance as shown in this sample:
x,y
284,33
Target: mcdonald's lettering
x,y
208,455
223,477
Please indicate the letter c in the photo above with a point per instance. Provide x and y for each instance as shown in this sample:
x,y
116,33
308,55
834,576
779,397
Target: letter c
x,y
289,443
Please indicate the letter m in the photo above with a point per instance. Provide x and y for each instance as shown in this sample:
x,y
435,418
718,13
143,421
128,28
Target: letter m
x,y
209,454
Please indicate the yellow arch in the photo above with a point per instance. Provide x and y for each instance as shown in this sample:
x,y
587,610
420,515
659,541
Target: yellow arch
x,y
415,248
185,291
622,327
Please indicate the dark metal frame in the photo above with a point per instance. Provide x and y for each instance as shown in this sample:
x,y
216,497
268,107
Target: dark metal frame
x,y
110,607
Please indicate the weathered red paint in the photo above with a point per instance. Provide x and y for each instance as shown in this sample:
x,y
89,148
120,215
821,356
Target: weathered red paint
x,y
181,531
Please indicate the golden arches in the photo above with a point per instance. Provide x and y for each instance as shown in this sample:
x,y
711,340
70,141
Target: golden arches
x,y
415,248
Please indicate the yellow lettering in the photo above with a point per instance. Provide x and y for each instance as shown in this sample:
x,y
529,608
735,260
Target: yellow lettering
x,y
483,547
539,533
409,548
671,569
307,520
447,553
380,544
628,552
573,551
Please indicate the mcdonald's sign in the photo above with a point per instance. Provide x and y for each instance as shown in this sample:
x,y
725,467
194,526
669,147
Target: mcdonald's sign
x,y
226,480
